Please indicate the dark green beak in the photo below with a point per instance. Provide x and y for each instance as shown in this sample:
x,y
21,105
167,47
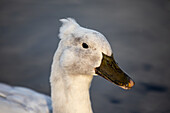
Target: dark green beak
x,y
110,70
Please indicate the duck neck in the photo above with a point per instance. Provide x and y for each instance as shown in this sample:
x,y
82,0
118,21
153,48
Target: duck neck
x,y
70,93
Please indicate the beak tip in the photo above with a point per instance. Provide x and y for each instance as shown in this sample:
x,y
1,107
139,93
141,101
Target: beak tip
x,y
131,83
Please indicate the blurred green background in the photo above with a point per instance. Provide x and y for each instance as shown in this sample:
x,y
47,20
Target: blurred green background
x,y
138,31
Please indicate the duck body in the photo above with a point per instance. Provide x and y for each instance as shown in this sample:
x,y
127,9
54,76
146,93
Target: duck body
x,y
23,100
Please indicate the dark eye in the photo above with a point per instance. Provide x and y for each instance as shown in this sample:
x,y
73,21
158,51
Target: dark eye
x,y
84,45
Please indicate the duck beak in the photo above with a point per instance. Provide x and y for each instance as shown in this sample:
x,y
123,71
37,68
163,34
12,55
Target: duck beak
x,y
110,70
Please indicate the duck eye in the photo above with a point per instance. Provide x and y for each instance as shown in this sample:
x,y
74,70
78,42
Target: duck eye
x,y
84,45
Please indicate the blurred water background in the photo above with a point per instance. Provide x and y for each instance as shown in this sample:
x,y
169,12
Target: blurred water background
x,y
138,30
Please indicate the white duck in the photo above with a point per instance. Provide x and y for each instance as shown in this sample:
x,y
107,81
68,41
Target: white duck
x,y
81,54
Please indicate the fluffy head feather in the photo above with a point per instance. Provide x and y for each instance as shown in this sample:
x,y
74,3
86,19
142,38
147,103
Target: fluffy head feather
x,y
68,26
74,58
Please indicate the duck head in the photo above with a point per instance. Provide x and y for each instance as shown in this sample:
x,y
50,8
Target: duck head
x,y
87,52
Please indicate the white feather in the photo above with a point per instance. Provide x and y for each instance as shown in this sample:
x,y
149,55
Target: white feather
x,y
23,100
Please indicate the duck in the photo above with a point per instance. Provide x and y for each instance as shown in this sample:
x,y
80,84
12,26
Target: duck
x,y
81,54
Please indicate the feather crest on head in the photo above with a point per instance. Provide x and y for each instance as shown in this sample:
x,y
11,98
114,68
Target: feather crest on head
x,y
68,26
